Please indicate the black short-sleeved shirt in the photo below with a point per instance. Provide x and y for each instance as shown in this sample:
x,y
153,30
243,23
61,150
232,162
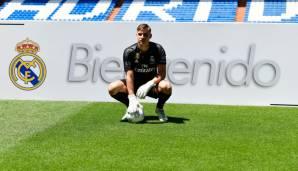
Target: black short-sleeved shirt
x,y
145,64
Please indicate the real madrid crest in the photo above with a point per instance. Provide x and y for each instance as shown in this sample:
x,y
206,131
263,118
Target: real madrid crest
x,y
27,71
152,60
137,57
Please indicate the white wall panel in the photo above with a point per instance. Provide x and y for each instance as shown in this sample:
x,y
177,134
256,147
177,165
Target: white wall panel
x,y
267,51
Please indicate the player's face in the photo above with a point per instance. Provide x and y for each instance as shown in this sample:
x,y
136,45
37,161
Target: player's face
x,y
143,36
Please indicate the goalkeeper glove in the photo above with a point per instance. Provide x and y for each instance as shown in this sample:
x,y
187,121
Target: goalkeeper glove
x,y
133,104
144,89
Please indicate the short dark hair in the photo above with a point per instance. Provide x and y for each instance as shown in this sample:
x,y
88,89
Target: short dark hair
x,y
143,26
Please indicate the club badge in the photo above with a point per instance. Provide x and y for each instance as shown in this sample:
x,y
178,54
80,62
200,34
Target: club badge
x,y
137,57
27,71
152,60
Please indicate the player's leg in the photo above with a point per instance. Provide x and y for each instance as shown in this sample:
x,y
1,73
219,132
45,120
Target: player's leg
x,y
162,92
118,91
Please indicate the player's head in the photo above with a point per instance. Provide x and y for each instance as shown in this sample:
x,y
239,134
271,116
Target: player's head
x,y
143,34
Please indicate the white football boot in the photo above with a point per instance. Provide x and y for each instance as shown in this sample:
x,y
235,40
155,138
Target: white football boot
x,y
161,115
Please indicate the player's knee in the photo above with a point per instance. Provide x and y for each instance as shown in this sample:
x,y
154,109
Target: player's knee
x,y
165,87
116,87
113,88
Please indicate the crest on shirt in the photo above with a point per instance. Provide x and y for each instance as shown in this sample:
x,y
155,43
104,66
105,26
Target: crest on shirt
x,y
152,60
137,57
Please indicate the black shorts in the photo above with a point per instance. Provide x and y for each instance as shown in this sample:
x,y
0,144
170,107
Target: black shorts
x,y
153,92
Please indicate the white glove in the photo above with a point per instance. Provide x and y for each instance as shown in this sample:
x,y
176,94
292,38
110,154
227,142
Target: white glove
x,y
133,104
144,89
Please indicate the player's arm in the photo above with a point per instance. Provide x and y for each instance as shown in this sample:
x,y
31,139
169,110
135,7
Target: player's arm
x,y
161,73
128,68
133,101
161,65
130,82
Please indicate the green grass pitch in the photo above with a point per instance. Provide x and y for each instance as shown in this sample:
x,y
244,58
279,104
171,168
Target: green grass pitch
x,y
40,135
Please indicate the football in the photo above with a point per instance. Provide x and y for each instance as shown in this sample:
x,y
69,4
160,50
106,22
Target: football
x,y
137,116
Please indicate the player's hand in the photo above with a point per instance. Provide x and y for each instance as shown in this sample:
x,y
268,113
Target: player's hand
x,y
133,104
144,89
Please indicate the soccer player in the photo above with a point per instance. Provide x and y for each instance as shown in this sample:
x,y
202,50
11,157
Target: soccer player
x,y
145,67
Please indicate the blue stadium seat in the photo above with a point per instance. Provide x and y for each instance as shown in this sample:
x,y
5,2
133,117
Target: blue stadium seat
x,y
272,11
178,10
276,11
223,11
78,10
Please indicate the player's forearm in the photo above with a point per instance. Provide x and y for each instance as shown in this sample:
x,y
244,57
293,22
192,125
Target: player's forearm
x,y
160,75
157,79
129,82
130,88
